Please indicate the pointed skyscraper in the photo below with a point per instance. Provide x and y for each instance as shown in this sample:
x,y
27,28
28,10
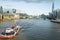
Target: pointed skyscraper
x,y
52,7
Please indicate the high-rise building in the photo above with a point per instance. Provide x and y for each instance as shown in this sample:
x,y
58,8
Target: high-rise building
x,y
52,6
52,14
1,9
14,10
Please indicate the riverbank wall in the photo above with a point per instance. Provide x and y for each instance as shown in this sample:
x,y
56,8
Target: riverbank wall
x,y
9,17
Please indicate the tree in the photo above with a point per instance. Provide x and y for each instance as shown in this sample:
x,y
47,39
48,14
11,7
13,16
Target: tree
x,y
43,16
7,11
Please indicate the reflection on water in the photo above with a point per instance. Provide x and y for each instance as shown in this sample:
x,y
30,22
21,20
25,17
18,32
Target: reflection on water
x,y
34,29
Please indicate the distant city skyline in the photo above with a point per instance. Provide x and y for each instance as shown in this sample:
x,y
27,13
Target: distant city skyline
x,y
30,7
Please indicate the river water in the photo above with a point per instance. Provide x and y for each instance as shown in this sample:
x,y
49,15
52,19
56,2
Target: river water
x,y
34,29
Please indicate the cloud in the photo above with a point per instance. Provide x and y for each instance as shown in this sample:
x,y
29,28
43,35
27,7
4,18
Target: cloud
x,y
38,0
32,0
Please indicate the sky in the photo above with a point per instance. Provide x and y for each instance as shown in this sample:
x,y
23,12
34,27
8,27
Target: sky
x,y
31,7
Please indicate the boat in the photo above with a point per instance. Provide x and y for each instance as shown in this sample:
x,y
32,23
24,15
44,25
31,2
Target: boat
x,y
55,21
16,31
